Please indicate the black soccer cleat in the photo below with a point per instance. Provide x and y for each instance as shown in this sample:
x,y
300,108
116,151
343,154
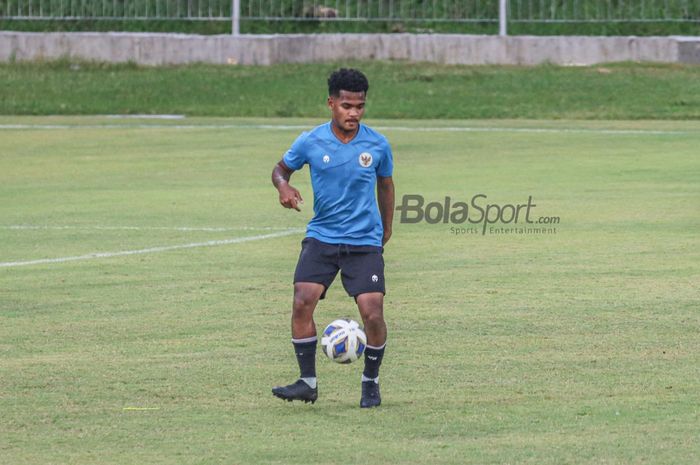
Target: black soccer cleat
x,y
296,391
370,395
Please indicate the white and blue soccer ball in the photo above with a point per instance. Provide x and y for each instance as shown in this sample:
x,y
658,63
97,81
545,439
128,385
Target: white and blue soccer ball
x,y
343,341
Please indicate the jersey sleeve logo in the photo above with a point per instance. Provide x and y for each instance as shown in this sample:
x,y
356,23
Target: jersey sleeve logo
x,y
326,159
366,159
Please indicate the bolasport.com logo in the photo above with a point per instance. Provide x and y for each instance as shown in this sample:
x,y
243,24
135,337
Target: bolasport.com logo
x,y
477,215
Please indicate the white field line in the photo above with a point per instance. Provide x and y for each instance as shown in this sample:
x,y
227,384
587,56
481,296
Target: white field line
x,y
24,227
192,245
285,127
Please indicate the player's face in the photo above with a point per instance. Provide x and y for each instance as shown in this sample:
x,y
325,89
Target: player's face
x,y
347,110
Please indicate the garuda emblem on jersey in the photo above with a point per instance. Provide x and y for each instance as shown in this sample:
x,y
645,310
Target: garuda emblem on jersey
x,y
366,159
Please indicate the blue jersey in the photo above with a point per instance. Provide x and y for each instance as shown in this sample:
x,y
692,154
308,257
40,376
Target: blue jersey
x,y
343,177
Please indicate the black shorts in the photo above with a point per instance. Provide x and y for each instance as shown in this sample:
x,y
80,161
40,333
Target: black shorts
x,y
361,266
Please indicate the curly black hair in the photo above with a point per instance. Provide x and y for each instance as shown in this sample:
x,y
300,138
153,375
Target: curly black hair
x,y
351,80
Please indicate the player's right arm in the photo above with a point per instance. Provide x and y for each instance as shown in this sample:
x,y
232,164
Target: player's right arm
x,y
288,195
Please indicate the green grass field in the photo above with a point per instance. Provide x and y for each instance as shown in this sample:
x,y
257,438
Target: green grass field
x,y
619,91
579,347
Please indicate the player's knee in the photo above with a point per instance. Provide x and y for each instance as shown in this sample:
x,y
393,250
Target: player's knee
x,y
301,305
372,315
304,301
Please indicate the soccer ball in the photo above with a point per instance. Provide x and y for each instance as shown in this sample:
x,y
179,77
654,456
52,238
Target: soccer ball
x,y
343,341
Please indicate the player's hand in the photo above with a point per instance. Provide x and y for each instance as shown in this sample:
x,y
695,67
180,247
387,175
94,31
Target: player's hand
x,y
387,236
290,197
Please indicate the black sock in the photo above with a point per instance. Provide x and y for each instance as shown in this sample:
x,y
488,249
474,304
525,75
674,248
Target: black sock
x,y
305,350
373,358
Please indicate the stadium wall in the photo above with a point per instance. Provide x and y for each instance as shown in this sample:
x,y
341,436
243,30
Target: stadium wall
x,y
164,49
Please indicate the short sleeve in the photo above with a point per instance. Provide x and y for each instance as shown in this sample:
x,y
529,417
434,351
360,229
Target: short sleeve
x,y
295,157
385,168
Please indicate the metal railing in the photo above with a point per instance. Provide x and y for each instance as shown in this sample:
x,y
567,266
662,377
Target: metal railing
x,y
604,11
434,11
116,9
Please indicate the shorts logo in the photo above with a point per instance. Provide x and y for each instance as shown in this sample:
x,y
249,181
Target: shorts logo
x,y
375,278
326,159
366,159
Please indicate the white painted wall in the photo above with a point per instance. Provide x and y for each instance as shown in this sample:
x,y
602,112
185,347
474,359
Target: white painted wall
x,y
162,49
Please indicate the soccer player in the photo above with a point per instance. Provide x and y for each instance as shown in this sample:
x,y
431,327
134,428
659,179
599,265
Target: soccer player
x,y
348,231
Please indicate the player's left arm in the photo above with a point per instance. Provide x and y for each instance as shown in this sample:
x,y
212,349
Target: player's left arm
x,y
385,199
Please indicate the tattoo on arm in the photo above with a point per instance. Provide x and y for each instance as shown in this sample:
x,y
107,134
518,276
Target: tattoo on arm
x,y
281,174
